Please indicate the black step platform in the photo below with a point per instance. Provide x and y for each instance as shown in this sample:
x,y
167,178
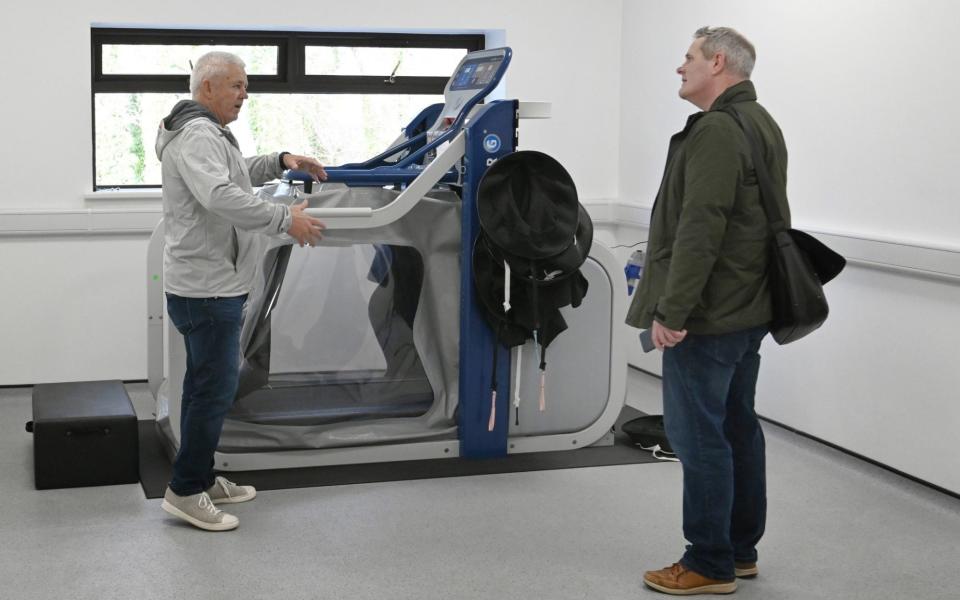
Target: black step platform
x,y
84,433
155,466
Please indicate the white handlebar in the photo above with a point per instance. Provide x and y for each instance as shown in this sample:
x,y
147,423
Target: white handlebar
x,y
357,211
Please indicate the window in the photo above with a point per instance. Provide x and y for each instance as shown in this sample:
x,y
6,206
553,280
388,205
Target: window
x,y
338,96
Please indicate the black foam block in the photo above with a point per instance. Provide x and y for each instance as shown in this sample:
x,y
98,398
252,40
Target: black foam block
x,y
84,433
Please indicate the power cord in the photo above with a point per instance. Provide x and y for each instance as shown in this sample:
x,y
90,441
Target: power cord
x,y
630,245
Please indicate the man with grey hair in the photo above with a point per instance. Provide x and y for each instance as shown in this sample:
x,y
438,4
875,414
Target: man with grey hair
x,y
208,208
704,296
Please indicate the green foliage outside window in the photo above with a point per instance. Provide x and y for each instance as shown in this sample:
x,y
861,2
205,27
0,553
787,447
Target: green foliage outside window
x,y
336,128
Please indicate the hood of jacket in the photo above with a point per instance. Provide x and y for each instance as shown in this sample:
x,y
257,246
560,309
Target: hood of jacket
x,y
182,113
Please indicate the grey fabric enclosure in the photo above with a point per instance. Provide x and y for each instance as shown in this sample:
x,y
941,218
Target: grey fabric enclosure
x,y
355,341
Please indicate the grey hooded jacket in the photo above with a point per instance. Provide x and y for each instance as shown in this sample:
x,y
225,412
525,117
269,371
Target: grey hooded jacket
x,y
209,205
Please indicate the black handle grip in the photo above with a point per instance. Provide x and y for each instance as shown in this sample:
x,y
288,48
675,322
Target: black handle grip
x,y
86,431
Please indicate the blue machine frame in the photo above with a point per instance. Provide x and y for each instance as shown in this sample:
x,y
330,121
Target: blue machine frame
x,y
495,123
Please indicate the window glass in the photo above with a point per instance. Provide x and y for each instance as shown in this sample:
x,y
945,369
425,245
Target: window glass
x,y
126,129
409,62
335,128
145,59
350,115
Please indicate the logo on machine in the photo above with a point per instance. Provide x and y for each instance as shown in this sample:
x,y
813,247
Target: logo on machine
x,y
491,143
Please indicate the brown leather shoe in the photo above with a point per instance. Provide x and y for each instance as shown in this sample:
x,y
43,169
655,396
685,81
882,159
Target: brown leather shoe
x,y
745,570
681,581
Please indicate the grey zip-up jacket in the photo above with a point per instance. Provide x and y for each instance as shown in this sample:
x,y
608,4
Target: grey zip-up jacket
x,y
209,205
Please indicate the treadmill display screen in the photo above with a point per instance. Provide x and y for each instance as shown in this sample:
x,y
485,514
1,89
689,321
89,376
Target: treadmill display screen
x,y
475,74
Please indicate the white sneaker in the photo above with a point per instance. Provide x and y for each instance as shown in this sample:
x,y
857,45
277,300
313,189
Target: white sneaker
x,y
199,511
224,491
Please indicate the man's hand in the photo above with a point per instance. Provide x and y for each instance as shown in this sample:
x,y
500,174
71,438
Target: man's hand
x,y
304,228
666,338
305,163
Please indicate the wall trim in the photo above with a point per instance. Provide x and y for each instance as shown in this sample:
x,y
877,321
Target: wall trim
x,y
88,221
901,256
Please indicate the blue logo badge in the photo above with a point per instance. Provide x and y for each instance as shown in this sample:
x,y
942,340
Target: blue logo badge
x,y
491,143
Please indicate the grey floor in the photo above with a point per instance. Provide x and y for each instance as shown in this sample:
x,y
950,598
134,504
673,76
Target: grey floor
x,y
838,528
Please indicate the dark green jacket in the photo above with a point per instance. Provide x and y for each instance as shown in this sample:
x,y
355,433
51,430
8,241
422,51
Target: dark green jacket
x,y
706,260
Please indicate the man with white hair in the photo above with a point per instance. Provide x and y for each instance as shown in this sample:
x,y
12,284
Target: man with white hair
x,y
207,197
704,295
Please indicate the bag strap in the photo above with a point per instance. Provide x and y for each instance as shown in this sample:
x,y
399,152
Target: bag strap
x,y
767,195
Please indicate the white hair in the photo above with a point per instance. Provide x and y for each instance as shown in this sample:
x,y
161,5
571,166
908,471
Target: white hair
x,y
738,50
211,65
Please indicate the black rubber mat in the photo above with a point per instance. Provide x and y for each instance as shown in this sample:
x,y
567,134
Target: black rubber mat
x,y
155,468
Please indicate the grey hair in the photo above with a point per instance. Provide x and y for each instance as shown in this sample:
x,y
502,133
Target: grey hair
x,y
738,50
210,65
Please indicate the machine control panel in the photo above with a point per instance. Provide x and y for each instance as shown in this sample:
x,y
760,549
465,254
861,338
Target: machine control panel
x,y
475,77
475,73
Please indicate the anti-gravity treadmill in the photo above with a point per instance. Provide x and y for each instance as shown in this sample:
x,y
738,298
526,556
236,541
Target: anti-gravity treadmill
x,y
371,347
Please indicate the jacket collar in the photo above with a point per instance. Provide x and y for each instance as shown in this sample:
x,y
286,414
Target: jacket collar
x,y
740,92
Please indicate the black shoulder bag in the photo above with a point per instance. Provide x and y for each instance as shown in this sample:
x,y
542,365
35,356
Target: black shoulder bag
x,y
799,263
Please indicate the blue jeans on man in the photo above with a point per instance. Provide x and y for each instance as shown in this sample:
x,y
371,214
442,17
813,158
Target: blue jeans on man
x,y
211,333
709,383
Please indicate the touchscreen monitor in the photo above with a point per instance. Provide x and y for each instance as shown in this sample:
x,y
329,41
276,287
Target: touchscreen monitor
x,y
476,74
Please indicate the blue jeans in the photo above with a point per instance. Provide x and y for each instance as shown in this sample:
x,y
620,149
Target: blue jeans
x,y
708,391
211,334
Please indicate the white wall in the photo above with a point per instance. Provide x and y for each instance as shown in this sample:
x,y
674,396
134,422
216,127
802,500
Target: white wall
x,y
862,89
864,94
74,308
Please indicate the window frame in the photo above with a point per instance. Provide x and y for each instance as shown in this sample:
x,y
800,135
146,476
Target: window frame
x,y
291,77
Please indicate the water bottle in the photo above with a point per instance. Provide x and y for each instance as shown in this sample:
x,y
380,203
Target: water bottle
x,y
634,270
